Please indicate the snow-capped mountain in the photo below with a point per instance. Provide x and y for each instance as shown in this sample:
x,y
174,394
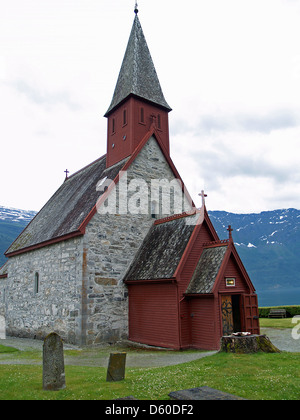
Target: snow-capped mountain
x,y
12,222
254,230
15,215
268,243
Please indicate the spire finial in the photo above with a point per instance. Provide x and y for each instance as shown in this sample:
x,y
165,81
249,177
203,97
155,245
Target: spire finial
x,y
136,10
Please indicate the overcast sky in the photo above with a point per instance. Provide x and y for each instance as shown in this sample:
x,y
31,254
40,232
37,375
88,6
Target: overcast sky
x,y
230,69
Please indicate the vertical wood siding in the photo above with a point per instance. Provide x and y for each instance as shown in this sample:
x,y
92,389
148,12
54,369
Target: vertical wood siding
x,y
203,324
153,314
192,260
232,270
183,281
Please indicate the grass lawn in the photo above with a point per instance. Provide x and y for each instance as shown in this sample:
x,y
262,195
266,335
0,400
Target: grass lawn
x,y
276,323
258,376
5,349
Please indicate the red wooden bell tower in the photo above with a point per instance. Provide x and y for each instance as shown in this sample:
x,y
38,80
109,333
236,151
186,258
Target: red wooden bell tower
x,y
129,123
138,102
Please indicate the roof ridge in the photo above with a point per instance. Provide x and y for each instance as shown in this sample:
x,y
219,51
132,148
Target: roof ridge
x,y
176,217
212,244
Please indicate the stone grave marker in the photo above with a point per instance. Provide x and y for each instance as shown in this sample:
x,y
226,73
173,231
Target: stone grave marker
x,y
116,367
53,363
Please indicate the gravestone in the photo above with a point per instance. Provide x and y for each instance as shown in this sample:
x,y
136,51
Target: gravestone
x,y
204,393
53,363
2,328
116,367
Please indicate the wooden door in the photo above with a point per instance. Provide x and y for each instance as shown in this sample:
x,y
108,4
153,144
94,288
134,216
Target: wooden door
x,y
227,315
251,314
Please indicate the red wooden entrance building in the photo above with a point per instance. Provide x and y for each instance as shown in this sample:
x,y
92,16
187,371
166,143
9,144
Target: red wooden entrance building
x,y
187,288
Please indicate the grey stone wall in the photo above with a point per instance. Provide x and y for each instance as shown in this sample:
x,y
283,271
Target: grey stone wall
x,y
2,297
81,295
111,243
110,250
57,305
3,271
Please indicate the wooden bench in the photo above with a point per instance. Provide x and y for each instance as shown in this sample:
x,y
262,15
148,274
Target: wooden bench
x,y
277,313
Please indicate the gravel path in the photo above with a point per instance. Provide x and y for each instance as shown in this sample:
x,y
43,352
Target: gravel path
x,y
281,338
26,344
99,357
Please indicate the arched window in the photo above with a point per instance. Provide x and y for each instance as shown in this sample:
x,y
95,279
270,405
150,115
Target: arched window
x,y
36,283
125,117
159,121
142,116
154,209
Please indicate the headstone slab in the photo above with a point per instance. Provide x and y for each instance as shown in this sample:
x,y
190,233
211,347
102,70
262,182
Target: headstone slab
x,y
204,393
116,367
53,363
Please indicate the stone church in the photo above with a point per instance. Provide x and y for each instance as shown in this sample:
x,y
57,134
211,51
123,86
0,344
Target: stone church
x,y
120,251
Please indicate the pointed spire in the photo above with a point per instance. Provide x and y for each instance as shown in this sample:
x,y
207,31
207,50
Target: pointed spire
x,y
138,75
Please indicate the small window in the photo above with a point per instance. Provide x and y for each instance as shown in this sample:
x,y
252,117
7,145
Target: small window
x,y
159,122
230,282
142,116
113,130
125,117
154,211
36,283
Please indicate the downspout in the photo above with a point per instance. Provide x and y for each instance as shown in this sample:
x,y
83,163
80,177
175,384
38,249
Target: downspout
x,y
179,317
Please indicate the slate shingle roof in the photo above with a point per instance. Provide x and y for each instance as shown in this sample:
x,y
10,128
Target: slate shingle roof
x,y
138,75
4,270
208,267
161,251
68,207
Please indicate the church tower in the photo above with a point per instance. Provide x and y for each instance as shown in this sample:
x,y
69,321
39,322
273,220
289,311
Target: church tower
x,y
138,103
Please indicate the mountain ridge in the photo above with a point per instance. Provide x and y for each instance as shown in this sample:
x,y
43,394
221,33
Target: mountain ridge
x,y
268,242
12,223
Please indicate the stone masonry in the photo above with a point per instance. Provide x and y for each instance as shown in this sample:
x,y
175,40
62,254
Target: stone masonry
x,y
2,297
57,305
111,243
81,294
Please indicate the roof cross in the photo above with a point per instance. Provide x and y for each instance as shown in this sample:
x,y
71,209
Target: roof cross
x,y
67,173
203,195
230,230
136,10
